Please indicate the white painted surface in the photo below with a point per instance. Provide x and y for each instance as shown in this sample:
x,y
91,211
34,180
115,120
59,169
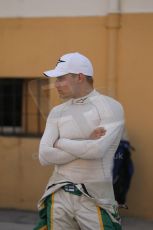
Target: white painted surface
x,y
57,8
137,6
52,8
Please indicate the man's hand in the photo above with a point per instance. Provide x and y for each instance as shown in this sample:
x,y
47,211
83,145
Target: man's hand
x,y
97,133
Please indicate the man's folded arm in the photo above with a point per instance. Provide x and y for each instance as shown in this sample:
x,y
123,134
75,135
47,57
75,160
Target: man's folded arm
x,y
94,149
48,154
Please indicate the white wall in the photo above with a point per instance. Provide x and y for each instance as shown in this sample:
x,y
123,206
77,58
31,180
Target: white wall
x,y
28,8
136,6
53,8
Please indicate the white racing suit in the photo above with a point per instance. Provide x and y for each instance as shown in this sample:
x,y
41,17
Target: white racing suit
x,y
81,161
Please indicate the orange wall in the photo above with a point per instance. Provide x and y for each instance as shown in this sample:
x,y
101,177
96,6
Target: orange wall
x,y
22,179
135,84
30,46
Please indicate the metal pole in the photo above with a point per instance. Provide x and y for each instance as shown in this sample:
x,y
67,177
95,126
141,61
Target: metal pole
x,y
112,25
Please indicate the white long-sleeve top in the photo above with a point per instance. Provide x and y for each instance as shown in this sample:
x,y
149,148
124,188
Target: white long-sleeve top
x,y
76,158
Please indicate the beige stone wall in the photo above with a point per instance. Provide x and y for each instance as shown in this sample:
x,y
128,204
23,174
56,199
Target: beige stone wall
x,y
22,179
135,83
121,49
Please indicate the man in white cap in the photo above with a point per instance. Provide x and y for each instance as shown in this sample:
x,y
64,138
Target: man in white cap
x,y
80,139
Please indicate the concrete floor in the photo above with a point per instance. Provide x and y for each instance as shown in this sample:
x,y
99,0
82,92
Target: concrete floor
x,y
17,220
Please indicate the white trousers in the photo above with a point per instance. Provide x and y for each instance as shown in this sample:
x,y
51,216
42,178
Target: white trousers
x,y
66,211
73,212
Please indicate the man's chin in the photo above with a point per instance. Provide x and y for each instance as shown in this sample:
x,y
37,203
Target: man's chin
x,y
64,97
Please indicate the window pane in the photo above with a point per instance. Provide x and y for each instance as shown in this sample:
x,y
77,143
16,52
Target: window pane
x,y
23,106
10,102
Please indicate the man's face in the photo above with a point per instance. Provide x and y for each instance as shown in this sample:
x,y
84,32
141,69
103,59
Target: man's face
x,y
67,86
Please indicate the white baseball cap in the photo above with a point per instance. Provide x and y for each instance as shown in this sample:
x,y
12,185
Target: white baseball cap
x,y
71,63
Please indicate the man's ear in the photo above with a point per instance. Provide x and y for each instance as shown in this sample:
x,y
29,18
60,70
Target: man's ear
x,y
81,77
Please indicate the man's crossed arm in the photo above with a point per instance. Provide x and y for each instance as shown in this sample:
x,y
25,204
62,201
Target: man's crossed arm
x,y
49,153
97,145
